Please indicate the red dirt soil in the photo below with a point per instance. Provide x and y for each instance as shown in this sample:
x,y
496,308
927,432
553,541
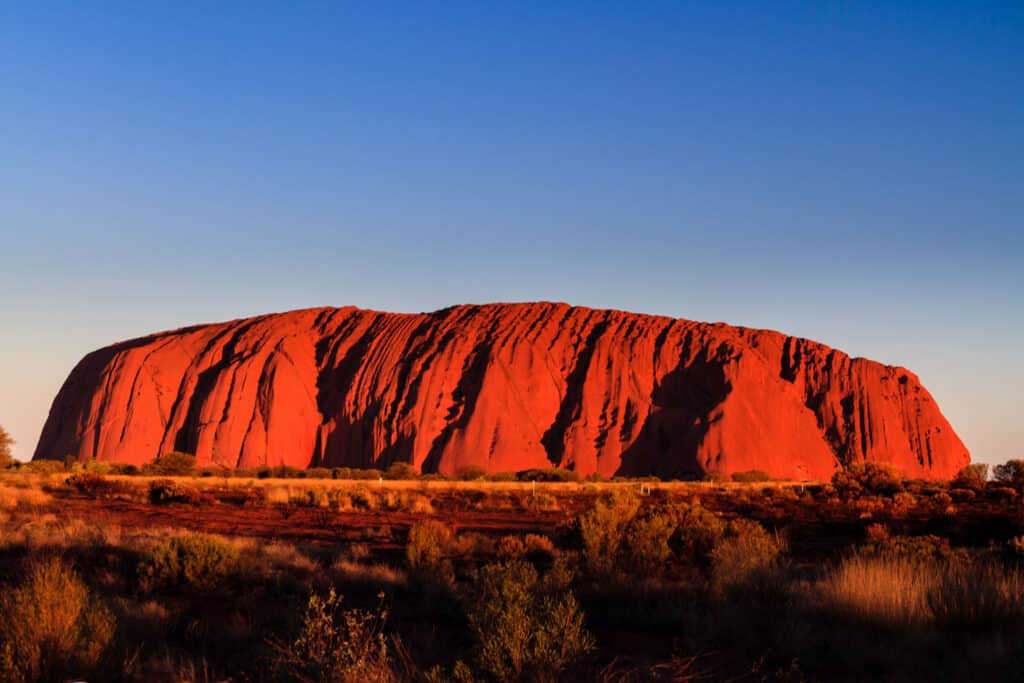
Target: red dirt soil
x,y
504,387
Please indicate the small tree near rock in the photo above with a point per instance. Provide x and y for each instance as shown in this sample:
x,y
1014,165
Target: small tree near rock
x,y
6,454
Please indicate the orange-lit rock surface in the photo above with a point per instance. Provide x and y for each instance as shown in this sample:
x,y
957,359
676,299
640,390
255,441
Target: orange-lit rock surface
x,y
505,387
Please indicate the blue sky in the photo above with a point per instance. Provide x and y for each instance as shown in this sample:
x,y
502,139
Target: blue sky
x,y
852,173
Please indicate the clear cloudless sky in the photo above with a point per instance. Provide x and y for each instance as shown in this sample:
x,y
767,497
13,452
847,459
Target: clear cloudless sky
x,y
848,172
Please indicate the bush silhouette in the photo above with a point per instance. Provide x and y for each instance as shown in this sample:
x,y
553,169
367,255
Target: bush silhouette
x,y
1010,473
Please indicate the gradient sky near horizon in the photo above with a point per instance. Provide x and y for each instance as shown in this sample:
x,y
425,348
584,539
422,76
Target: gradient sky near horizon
x,y
848,172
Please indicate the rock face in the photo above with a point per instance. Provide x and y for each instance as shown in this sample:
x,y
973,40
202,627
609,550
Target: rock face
x,y
504,387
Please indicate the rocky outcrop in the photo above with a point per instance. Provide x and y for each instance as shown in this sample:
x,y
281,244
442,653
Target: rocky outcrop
x,y
504,387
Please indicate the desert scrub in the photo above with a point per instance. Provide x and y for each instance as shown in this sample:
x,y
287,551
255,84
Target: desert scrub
x,y
510,547
889,590
698,531
14,496
751,476
979,596
539,545
407,501
167,491
172,465
647,544
526,627
336,645
91,484
868,477
194,562
548,475
52,627
401,471
540,502
1010,473
973,477
920,548
906,587
744,557
603,529
427,551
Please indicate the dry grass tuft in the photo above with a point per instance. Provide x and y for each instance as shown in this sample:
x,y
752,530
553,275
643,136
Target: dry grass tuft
x,y
371,573
890,590
51,626
901,591
12,497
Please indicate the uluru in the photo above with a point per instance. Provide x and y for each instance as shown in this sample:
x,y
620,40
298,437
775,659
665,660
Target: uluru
x,y
502,387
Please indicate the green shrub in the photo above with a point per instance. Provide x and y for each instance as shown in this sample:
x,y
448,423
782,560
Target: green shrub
x,y
526,627
868,477
401,470
281,472
973,477
470,473
51,627
194,562
337,645
647,544
171,465
743,557
6,453
548,474
603,529
41,467
318,473
355,473
698,531
427,551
